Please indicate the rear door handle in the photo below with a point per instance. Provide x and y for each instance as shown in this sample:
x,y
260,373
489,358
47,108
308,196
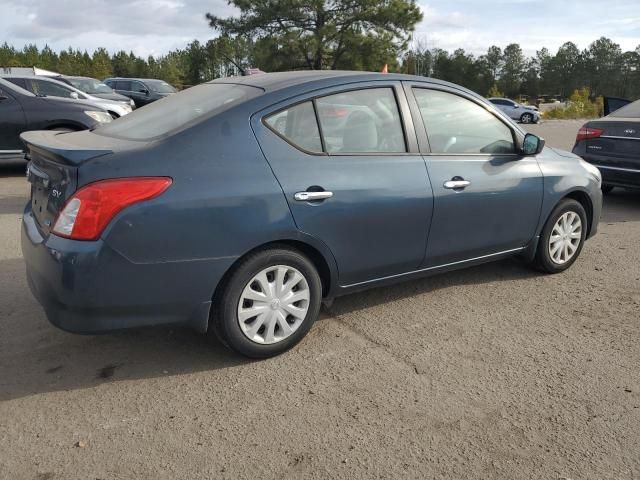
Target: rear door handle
x,y
455,184
311,196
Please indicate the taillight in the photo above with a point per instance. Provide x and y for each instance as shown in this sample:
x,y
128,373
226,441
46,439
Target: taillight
x,y
586,133
90,209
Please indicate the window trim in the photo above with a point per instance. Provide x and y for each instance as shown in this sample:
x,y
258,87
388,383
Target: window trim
x,y
404,111
415,109
288,107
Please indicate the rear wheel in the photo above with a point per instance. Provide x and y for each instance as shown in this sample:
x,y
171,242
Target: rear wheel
x,y
562,237
268,304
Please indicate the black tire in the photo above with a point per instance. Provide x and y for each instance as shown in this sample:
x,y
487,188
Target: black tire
x,y
606,189
543,260
526,118
224,322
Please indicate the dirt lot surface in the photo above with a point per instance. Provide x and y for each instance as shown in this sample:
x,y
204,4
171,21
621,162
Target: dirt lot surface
x,y
493,372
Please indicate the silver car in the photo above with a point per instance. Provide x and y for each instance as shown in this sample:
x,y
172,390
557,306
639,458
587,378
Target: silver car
x,y
521,113
45,86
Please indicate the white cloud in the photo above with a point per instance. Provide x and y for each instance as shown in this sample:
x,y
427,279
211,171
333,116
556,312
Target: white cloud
x,y
154,27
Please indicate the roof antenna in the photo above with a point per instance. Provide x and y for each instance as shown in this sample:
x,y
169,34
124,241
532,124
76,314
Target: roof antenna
x,y
237,66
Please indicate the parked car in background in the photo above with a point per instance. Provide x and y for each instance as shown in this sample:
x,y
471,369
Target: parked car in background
x,y
612,144
263,216
516,111
141,90
95,88
48,87
611,104
21,110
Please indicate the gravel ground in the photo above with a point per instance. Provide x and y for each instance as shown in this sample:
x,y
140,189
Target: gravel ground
x,y
491,372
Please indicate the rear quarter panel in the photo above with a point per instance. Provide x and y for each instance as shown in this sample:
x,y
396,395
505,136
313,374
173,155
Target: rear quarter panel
x,y
224,201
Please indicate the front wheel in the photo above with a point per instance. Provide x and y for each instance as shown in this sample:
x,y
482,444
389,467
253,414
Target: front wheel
x,y
562,237
268,304
526,118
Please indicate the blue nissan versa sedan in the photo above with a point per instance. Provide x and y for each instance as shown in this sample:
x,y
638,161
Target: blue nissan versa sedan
x,y
238,205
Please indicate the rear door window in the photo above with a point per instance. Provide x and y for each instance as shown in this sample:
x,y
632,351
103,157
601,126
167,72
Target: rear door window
x,y
50,89
298,126
361,121
18,81
123,85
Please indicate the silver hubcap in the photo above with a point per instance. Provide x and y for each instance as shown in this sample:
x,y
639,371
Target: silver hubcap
x,y
565,238
273,305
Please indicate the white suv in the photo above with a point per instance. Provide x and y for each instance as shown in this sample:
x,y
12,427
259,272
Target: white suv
x,y
521,113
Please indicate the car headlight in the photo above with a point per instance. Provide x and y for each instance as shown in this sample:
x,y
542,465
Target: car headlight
x,y
100,117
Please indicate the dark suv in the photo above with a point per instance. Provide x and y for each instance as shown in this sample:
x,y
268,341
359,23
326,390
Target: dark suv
x,y
141,90
21,110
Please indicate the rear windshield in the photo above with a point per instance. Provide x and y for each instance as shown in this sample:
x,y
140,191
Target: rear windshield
x,y
178,111
628,111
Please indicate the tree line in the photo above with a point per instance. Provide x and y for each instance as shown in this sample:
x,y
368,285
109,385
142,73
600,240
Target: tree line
x,y
353,35
603,68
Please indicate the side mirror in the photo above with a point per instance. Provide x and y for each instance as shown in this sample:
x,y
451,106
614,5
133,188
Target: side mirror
x,y
74,95
3,97
532,144
146,92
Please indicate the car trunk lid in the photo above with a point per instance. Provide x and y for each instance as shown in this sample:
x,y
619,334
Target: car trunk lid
x,y
619,142
53,170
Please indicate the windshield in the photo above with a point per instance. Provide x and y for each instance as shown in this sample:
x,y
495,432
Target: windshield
x,y
90,85
159,86
631,110
178,111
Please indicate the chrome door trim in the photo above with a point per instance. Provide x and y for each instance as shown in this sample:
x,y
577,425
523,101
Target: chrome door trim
x,y
399,275
311,196
618,138
454,184
617,168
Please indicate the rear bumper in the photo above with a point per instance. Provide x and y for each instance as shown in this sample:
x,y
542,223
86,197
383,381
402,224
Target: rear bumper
x,y
87,287
614,172
619,177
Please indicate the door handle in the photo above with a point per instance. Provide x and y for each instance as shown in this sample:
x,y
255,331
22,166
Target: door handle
x,y
456,183
312,196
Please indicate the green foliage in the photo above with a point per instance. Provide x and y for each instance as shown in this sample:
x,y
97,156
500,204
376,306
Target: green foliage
x,y
494,91
579,106
603,68
321,34
370,42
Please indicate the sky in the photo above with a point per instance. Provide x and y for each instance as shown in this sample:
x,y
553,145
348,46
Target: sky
x,y
154,27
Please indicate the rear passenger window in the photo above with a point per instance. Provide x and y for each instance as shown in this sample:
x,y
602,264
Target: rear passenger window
x,y
456,125
361,121
297,125
123,85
